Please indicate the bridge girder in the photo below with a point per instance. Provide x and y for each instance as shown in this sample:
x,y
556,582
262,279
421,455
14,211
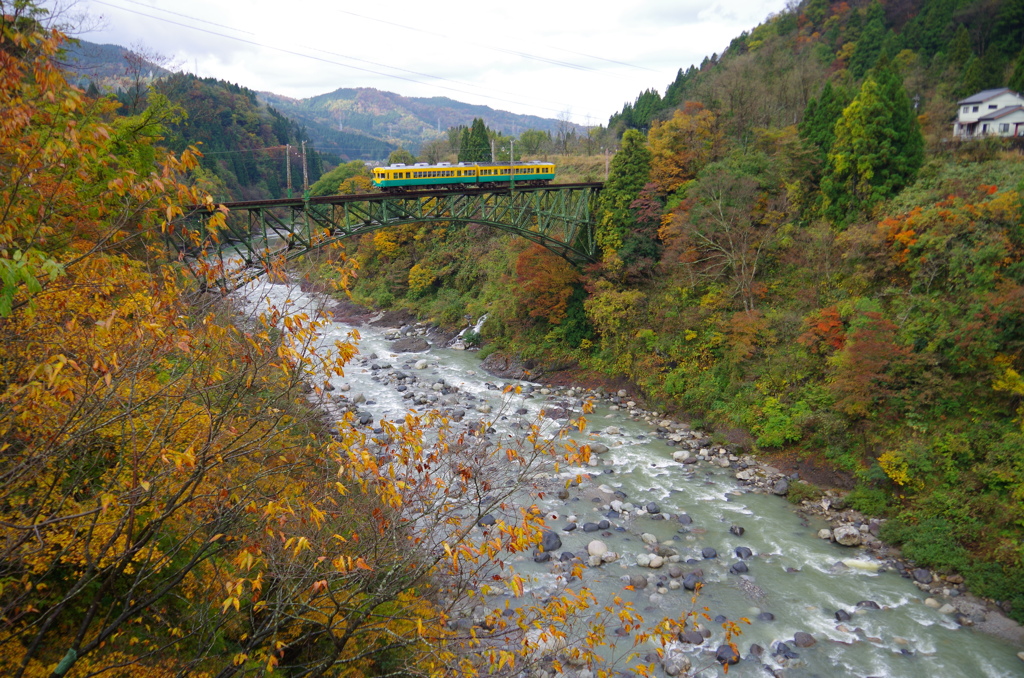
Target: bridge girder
x,y
558,217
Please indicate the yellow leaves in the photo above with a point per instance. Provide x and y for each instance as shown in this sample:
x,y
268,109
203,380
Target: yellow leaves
x,y
516,584
229,602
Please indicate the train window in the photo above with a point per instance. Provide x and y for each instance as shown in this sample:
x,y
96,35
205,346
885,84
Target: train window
x,y
407,175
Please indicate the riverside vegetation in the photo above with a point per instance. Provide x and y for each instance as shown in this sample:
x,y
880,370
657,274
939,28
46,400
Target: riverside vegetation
x,y
171,500
847,288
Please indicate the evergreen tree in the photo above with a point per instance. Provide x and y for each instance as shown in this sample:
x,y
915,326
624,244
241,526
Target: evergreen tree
x,y
878,147
960,51
980,74
630,169
1017,79
475,145
872,38
820,117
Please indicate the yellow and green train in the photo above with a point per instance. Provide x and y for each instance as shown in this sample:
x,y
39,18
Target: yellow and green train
x,y
398,178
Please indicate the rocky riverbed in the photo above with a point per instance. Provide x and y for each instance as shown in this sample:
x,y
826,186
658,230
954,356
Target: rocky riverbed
x,y
663,508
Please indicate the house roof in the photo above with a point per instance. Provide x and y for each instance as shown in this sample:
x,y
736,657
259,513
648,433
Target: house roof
x,y
985,95
1002,112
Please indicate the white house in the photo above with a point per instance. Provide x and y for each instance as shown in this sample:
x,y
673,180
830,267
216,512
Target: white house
x,y
991,112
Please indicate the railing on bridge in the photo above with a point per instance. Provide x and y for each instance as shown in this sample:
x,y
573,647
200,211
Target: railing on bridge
x,y
262,234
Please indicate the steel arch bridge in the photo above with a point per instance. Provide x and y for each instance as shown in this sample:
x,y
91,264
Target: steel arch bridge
x,y
263,233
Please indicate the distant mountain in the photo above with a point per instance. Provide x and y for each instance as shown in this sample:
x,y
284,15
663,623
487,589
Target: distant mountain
x,y
409,121
106,65
346,124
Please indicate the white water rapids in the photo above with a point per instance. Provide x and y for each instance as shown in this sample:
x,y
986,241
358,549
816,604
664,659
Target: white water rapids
x,y
803,586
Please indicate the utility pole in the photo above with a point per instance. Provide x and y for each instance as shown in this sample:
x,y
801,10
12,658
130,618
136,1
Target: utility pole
x,y
492,151
288,166
512,162
305,173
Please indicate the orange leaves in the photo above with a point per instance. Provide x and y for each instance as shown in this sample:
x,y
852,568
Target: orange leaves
x,y
825,331
544,283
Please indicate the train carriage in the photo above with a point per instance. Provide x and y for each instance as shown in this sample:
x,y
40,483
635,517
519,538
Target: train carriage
x,y
398,178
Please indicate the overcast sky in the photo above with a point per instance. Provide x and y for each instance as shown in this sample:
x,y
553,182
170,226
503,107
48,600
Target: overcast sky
x,y
539,57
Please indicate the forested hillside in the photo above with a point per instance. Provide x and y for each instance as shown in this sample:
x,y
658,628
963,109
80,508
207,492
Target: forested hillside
x,y
242,141
796,252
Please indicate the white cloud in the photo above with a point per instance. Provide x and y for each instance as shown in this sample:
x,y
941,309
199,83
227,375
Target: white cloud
x,y
501,56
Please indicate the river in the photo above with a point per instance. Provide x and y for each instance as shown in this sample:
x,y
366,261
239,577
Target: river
x,y
795,581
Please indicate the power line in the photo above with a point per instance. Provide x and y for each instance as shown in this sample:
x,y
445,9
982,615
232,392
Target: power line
x,y
315,58
525,55
186,16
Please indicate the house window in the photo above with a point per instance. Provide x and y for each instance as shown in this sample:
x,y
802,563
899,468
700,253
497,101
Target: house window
x,y
992,107
974,109
1004,127
984,128
967,109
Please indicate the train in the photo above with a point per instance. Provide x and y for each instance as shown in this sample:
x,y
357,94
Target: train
x,y
445,175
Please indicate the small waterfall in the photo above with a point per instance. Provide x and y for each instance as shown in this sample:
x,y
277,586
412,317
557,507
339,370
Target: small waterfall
x,y
458,343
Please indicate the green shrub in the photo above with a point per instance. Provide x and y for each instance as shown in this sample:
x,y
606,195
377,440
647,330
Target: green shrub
x,y
801,491
868,500
931,543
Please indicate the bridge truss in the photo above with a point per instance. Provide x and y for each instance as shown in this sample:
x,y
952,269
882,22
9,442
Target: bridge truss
x,y
263,234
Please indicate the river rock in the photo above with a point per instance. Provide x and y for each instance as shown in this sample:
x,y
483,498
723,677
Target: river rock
x,y
825,533
708,552
656,562
597,548
410,345
690,582
781,487
598,448
726,655
743,552
675,571
483,408
550,541
594,561
922,575
675,661
543,642
681,455
420,365
643,560
613,430
739,568
609,557
803,639
684,519
736,530
652,508
847,535
648,539
932,603
947,609
591,527
868,605
637,581
569,528
691,636
842,616
487,521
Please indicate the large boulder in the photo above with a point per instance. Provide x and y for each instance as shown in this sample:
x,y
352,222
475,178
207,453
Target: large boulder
x,y
410,345
847,535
